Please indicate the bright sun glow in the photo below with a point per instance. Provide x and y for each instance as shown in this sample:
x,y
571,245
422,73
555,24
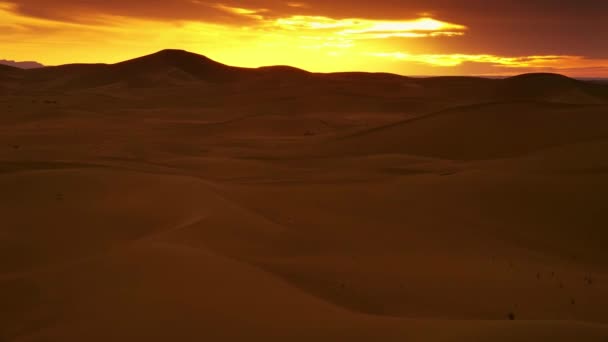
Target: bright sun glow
x,y
369,29
316,43
457,59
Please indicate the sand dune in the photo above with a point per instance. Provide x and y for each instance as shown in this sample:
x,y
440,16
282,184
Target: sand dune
x,y
172,197
552,88
21,65
485,131
8,68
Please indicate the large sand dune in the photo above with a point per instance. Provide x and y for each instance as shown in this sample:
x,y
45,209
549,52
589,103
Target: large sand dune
x,y
485,131
175,198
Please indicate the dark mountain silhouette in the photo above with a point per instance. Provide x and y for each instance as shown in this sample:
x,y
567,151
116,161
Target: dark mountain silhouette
x,y
21,65
164,68
189,65
168,68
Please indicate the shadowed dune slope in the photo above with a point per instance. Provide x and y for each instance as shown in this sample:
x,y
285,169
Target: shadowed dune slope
x,y
552,87
8,68
9,73
483,131
122,255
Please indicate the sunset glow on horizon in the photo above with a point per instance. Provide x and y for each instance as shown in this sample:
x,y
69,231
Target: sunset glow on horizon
x,y
307,35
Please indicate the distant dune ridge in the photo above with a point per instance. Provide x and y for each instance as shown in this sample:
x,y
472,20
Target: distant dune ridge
x,y
175,67
174,198
21,65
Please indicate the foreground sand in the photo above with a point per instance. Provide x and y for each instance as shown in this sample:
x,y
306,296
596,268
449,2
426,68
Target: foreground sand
x,y
199,211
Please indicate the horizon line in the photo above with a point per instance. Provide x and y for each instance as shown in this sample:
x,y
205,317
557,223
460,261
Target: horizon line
x,y
488,76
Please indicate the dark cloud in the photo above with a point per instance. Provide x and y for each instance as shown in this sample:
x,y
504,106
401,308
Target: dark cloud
x,y
477,10
87,10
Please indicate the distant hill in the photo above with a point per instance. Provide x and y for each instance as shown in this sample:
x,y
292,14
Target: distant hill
x,y
161,69
178,64
174,68
21,65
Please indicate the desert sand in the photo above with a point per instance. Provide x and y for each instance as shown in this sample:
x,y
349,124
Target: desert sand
x,y
174,198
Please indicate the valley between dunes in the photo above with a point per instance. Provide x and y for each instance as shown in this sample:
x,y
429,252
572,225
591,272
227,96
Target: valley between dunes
x,y
175,198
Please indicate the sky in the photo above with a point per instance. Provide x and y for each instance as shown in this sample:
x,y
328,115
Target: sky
x,y
410,37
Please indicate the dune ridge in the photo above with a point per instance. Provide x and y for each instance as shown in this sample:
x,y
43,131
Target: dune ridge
x,y
169,65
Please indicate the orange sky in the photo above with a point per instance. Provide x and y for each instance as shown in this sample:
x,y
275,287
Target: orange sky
x,y
438,37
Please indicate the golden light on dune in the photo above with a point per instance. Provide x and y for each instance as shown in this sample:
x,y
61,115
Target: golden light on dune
x,y
260,36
